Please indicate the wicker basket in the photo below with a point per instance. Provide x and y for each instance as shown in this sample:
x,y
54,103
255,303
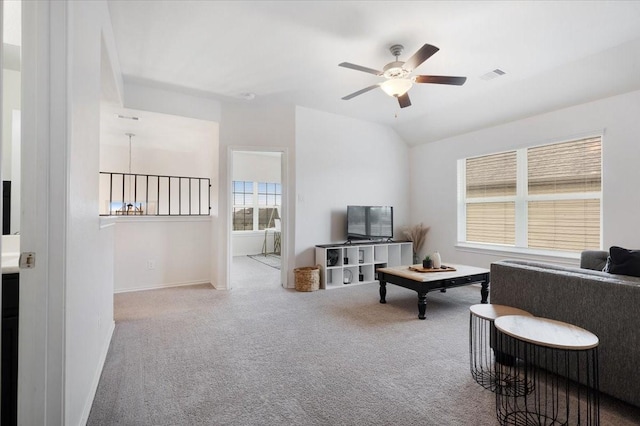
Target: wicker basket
x,y
307,278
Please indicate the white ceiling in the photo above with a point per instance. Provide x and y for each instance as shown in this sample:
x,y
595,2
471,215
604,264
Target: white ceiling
x,y
555,54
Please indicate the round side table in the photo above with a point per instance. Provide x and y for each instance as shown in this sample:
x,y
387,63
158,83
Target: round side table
x,y
482,354
562,362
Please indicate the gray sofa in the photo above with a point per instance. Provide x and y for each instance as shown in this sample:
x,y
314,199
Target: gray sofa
x,y
607,305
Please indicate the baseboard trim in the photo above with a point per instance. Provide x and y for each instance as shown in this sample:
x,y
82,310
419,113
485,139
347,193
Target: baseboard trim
x,y
96,378
157,287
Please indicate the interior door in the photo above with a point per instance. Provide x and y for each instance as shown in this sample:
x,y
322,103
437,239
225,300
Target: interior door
x,y
43,165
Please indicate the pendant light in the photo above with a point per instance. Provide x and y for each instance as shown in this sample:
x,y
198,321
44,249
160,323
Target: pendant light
x,y
129,206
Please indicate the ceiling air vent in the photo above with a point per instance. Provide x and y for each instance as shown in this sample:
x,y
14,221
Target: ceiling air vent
x,y
127,117
493,74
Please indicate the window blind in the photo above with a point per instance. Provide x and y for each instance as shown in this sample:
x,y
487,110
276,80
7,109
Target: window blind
x,y
571,225
493,223
491,175
566,167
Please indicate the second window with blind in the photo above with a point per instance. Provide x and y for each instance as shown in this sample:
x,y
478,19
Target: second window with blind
x,y
545,197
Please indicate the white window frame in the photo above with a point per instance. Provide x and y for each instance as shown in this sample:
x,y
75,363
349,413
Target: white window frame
x,y
521,200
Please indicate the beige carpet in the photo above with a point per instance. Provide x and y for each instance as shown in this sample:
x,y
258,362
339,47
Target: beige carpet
x,y
198,356
269,259
247,273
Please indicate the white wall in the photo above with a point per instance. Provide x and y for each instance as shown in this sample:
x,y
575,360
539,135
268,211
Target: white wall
x,y
149,97
10,102
89,259
157,161
251,242
249,126
434,164
342,161
256,167
161,252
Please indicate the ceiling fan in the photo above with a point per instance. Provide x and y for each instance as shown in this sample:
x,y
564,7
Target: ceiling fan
x,y
398,74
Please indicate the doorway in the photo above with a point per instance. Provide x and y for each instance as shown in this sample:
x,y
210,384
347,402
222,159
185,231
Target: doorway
x,y
10,81
11,103
257,211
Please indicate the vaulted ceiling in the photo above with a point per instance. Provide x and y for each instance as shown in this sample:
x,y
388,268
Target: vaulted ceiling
x,y
554,54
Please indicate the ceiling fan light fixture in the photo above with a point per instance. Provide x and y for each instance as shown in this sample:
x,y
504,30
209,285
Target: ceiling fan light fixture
x,y
396,86
398,75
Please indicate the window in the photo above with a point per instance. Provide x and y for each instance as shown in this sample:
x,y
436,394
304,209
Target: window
x,y
545,197
490,194
255,205
242,206
269,197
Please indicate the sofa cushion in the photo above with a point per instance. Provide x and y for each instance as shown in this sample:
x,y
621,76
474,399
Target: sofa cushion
x,y
622,261
594,259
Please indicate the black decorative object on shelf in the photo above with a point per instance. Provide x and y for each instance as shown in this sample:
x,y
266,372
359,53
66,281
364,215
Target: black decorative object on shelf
x,y
332,257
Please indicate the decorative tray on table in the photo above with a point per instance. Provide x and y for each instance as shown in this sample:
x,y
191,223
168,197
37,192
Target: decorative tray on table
x,y
418,268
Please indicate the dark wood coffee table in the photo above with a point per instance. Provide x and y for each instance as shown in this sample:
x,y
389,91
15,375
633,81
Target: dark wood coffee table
x,y
424,282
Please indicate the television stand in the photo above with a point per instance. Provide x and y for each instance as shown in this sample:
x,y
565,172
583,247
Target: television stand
x,y
354,262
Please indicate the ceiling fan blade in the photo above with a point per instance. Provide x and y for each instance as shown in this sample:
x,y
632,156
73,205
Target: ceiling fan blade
x,y
360,92
424,53
360,68
440,79
404,100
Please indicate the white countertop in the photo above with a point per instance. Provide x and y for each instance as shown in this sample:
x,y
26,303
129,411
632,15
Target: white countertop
x,y
10,253
10,263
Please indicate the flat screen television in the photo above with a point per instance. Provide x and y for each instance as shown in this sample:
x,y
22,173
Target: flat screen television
x,y
369,222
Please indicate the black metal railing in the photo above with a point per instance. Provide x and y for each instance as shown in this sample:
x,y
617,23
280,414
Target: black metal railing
x,y
132,194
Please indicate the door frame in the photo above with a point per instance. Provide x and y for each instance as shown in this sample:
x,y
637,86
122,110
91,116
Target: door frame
x,y
44,162
284,210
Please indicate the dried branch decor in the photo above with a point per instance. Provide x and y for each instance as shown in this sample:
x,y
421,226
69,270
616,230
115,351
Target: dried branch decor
x,y
416,234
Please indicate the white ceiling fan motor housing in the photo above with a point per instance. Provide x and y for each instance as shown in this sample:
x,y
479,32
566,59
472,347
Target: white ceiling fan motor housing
x,y
395,70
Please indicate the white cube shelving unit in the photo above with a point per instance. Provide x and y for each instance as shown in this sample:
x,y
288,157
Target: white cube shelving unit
x,y
342,265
